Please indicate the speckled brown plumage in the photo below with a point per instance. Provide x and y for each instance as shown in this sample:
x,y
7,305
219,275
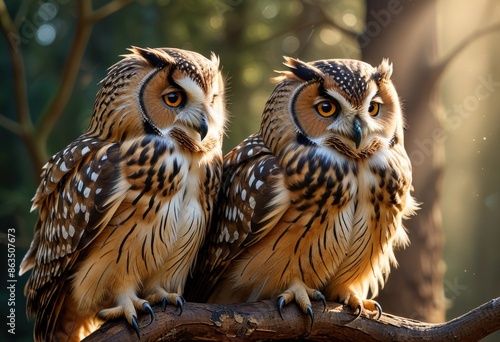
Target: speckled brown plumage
x,y
311,206
124,208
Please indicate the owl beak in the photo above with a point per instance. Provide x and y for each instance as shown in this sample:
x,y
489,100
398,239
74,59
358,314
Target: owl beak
x,y
202,128
357,132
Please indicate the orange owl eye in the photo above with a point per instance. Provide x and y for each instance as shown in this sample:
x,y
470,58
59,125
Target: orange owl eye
x,y
374,108
326,108
174,98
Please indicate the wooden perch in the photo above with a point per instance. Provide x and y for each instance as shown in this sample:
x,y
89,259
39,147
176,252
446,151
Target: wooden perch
x,y
261,321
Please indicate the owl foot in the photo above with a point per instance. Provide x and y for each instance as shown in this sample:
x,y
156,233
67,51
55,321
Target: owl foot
x,y
301,293
167,298
361,305
369,305
127,306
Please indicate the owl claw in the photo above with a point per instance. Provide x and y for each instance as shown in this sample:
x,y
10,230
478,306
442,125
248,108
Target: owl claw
x,y
351,299
359,309
379,309
321,297
310,313
149,310
281,303
180,303
301,294
136,326
160,295
127,307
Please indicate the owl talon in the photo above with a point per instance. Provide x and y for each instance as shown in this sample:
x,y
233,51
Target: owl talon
x,y
344,302
310,313
359,310
180,303
379,309
149,309
159,295
136,326
355,302
281,303
301,294
321,297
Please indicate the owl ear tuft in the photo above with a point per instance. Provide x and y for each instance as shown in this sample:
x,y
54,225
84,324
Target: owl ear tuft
x,y
215,59
154,57
302,70
385,70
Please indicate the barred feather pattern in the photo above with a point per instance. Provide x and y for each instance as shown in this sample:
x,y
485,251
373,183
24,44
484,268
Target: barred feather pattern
x,y
305,211
124,209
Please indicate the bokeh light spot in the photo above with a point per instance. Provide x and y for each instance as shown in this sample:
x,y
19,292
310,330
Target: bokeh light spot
x,y
329,36
46,34
271,10
290,44
349,19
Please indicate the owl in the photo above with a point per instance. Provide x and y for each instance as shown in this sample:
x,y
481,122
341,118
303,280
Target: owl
x,y
124,209
311,206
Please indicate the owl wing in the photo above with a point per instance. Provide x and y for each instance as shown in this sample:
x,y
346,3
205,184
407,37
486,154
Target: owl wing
x,y
252,199
76,198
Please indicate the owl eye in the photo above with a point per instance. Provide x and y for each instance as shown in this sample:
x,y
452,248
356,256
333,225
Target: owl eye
x,y
174,98
326,108
374,108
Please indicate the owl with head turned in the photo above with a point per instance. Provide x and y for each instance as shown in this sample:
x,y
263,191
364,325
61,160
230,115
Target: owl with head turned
x,y
124,209
312,206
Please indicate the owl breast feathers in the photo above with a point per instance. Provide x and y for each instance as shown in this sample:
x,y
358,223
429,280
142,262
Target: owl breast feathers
x,y
311,207
124,208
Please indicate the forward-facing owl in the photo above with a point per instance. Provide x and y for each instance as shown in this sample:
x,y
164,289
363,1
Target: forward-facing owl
x,y
311,207
124,208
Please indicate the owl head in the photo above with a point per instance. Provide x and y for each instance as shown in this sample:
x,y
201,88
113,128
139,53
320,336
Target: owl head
x,y
343,104
166,92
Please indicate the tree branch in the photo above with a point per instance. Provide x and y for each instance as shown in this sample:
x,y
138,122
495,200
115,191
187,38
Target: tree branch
x,y
11,125
108,9
87,17
13,44
69,74
443,64
24,126
35,138
261,321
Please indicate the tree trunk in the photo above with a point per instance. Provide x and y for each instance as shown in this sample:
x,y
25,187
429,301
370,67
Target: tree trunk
x,y
406,33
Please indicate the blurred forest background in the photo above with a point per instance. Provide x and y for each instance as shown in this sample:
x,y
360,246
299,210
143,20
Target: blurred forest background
x,y
53,54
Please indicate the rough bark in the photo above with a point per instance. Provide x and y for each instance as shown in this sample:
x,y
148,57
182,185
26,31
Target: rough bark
x,y
261,321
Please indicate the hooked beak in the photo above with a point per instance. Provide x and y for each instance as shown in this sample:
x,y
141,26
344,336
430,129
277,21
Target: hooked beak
x,y
357,133
202,128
